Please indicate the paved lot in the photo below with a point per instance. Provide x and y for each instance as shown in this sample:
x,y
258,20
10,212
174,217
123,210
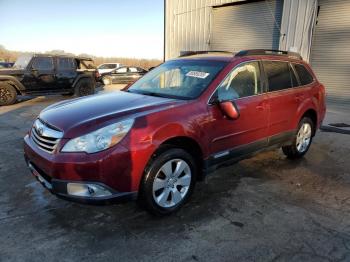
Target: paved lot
x,y
263,209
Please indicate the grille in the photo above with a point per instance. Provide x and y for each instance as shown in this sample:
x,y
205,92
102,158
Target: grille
x,y
45,137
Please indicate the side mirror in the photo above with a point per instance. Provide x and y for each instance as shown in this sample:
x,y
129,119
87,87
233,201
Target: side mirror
x,y
229,109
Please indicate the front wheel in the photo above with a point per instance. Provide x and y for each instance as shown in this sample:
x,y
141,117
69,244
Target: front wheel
x,y
8,94
302,140
168,182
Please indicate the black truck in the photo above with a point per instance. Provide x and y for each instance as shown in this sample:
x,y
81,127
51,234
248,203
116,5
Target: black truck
x,y
41,74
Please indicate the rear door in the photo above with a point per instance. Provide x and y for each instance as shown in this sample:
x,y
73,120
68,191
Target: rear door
x,y
282,98
43,74
135,73
248,133
120,75
66,72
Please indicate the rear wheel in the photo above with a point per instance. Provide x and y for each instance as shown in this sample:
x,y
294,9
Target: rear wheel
x,y
168,182
84,87
8,94
302,140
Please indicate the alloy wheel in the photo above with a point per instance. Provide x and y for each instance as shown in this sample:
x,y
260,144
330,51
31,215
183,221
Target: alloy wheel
x,y
304,137
172,182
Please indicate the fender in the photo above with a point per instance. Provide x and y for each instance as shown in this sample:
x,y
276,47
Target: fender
x,y
81,77
307,104
177,131
14,82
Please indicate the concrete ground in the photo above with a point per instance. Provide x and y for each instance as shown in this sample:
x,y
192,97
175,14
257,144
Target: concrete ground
x,y
266,208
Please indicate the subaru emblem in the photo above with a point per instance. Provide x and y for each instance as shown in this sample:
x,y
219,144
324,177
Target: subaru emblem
x,y
40,131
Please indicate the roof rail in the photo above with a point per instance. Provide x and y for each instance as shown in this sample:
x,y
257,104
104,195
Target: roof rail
x,y
269,52
189,53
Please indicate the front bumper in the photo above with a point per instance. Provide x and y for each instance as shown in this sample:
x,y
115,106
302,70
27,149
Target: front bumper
x,y
59,188
113,169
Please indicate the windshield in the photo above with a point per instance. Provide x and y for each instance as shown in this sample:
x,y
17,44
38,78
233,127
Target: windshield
x,y
22,61
183,79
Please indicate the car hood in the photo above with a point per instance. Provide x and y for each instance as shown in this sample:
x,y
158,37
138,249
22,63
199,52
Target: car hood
x,y
82,115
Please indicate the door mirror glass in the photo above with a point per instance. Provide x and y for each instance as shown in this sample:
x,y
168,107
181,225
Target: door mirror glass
x,y
229,109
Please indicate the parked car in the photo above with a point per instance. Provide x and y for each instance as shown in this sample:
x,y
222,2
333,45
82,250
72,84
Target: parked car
x,y
6,64
108,67
123,75
179,122
40,74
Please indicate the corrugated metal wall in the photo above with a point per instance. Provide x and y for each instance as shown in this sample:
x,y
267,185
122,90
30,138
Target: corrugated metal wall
x,y
188,25
330,53
297,25
247,26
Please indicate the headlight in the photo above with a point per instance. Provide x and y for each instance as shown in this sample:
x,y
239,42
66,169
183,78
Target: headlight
x,y
100,139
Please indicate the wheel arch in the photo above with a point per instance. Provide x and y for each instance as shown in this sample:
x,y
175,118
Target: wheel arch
x,y
82,77
18,86
186,143
312,114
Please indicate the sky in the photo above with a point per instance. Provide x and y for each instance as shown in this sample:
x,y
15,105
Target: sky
x,y
119,28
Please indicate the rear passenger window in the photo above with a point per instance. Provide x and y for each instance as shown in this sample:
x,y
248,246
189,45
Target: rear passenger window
x,y
304,75
243,81
279,75
121,70
133,69
65,63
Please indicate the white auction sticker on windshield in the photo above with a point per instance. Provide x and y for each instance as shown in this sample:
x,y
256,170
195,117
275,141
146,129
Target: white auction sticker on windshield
x,y
197,74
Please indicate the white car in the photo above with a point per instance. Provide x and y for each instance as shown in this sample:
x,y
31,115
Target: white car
x,y
108,67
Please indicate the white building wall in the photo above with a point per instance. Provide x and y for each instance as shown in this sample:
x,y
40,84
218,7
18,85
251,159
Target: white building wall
x,y
188,25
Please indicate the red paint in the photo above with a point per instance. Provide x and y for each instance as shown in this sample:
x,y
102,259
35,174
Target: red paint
x,y
159,119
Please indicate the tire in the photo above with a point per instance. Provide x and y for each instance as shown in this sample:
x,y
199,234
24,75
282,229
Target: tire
x,y
163,190
302,139
8,94
106,80
84,87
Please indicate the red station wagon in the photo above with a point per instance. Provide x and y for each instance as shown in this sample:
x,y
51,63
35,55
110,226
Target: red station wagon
x,y
181,120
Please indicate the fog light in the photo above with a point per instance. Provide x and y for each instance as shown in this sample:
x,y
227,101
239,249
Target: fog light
x,y
87,190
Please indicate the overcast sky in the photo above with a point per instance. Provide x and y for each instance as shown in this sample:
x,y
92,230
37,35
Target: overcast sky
x,y
127,28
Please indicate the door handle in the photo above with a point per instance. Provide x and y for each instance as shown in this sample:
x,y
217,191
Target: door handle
x,y
299,98
261,107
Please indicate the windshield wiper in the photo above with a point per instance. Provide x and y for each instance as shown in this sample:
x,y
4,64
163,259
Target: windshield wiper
x,y
148,93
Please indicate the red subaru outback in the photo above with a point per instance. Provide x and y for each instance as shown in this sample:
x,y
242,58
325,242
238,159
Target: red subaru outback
x,y
181,120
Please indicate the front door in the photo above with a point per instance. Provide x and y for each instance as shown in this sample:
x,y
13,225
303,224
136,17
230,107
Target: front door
x,y
120,75
248,133
42,73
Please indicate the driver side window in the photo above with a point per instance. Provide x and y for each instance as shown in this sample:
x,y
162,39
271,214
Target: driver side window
x,y
43,63
243,81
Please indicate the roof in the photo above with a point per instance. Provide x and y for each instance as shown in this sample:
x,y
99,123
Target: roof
x,y
213,56
229,56
64,55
